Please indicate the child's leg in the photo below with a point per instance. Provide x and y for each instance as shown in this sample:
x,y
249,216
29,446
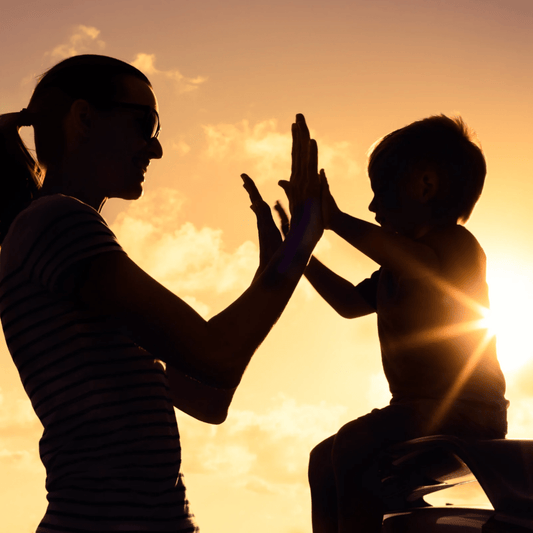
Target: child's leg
x,y
355,451
343,483
359,506
323,490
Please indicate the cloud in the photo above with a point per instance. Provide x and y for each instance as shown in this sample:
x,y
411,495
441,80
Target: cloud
x,y
16,413
20,459
146,64
189,261
181,147
84,39
20,430
378,391
521,380
520,418
265,453
268,151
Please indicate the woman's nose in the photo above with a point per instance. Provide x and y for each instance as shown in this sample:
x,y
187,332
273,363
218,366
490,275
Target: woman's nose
x,y
155,149
372,205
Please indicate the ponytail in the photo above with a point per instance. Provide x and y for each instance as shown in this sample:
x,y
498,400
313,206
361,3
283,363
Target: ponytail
x,y
20,175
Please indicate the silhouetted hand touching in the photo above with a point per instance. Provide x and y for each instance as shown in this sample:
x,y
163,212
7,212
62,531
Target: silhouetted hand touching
x,y
269,235
329,207
304,188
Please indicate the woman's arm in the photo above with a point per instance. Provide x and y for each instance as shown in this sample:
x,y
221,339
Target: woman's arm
x,y
216,351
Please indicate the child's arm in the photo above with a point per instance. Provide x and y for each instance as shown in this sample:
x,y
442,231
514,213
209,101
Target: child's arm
x,y
393,251
342,295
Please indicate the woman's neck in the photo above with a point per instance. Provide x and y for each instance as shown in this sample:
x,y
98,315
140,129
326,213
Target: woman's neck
x,y
58,182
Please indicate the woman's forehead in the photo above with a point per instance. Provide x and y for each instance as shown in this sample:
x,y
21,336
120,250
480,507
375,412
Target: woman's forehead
x,y
135,91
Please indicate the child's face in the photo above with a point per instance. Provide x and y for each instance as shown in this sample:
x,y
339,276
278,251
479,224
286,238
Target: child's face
x,y
397,204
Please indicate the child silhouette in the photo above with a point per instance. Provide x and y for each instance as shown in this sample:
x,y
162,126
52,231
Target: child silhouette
x,y
429,294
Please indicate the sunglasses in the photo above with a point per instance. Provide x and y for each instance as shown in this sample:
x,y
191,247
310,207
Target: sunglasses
x,y
149,122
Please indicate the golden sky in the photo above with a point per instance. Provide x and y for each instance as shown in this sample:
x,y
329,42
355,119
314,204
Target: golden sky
x,y
230,76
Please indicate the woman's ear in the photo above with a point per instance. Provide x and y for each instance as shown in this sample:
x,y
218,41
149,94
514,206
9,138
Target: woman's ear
x,y
78,121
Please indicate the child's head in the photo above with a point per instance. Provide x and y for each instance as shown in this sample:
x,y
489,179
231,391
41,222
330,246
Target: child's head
x,y
446,148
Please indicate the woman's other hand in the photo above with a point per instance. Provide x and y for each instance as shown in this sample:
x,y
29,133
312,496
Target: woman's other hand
x,y
269,236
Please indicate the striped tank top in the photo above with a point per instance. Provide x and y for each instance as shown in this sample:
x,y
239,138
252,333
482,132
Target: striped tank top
x,y
110,443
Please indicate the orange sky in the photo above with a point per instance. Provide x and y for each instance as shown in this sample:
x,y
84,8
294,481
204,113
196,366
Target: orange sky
x,y
230,77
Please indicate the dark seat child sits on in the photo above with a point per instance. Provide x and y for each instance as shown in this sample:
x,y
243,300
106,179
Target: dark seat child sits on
x,y
429,294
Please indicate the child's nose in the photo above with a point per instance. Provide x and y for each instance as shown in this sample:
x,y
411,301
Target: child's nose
x,y
372,205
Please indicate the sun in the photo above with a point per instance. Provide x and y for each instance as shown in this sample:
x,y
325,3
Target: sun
x,y
511,294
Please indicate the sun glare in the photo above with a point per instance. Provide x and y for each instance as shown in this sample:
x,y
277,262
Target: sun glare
x,y
511,295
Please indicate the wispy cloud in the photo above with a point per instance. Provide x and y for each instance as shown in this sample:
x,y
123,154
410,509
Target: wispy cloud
x,y
268,150
262,452
84,39
146,64
16,413
20,459
189,261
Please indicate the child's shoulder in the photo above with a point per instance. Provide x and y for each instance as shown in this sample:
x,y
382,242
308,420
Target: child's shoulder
x,y
456,248
452,236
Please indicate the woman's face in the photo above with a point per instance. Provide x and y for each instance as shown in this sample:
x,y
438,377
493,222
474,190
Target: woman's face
x,y
122,146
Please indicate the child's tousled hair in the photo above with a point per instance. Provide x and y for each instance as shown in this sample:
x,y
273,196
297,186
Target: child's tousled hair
x,y
94,78
447,146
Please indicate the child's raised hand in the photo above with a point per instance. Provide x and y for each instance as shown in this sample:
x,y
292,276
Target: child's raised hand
x,y
284,219
269,235
329,206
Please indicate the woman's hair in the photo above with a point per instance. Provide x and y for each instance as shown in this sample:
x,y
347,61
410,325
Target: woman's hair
x,y
447,146
96,79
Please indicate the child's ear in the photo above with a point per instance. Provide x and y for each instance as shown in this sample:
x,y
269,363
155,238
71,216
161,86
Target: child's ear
x,y
428,185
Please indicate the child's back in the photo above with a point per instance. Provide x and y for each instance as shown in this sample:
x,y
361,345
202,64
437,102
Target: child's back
x,y
433,341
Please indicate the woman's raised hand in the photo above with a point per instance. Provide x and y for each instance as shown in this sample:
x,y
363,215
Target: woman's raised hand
x,y
304,188
269,235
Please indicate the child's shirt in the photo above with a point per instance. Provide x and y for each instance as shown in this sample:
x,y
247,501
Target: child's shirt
x,y
432,342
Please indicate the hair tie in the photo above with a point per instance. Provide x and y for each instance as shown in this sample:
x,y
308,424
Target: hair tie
x,y
25,118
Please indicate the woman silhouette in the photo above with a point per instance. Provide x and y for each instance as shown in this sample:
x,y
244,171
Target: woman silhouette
x,y
103,350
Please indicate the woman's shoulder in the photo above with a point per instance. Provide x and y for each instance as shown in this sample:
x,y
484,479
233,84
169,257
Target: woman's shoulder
x,y
54,209
46,217
55,205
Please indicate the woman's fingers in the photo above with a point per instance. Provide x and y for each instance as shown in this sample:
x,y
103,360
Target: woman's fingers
x,y
253,192
312,168
303,148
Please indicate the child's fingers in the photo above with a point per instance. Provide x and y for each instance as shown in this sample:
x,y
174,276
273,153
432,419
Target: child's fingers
x,y
284,219
286,186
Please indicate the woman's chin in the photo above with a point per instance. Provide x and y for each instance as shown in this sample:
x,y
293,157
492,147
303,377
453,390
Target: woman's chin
x,y
132,193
